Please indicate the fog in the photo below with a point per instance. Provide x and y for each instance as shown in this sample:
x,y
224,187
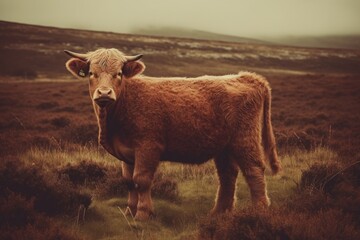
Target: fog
x,y
247,18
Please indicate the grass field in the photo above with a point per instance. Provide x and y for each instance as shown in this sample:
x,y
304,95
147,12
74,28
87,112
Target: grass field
x,y
179,207
57,183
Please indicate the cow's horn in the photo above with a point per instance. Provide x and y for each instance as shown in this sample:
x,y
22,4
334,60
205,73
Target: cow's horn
x,y
76,55
133,58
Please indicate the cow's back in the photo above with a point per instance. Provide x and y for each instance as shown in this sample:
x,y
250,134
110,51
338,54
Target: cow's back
x,y
193,118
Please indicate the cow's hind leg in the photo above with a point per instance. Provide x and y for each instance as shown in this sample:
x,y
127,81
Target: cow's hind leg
x,y
128,171
227,171
250,159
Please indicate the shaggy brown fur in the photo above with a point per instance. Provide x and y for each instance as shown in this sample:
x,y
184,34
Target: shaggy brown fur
x,y
146,120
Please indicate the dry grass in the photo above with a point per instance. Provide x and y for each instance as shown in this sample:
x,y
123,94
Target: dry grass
x,y
19,219
324,204
31,198
280,224
52,194
188,194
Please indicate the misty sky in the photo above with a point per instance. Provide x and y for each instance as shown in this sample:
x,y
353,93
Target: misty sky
x,y
247,18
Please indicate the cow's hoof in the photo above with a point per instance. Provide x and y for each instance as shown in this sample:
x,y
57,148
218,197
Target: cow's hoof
x,y
214,212
263,203
143,215
219,211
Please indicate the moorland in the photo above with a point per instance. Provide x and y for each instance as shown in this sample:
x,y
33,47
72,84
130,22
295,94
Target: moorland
x,y
56,182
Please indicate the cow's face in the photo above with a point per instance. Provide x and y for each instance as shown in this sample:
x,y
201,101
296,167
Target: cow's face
x,y
107,70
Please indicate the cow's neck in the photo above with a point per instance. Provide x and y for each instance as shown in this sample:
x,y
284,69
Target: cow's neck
x,y
105,117
104,136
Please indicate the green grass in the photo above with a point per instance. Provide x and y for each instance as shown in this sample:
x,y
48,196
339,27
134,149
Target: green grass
x,y
174,219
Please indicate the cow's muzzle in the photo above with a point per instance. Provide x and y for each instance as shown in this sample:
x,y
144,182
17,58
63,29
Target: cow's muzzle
x,y
104,96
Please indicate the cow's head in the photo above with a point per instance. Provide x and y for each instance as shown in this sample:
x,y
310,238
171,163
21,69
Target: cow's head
x,y
106,70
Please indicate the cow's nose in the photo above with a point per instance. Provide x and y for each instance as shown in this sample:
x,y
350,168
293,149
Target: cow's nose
x,y
104,92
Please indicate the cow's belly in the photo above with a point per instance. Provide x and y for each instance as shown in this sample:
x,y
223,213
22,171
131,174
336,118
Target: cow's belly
x,y
195,147
185,144
179,151
188,158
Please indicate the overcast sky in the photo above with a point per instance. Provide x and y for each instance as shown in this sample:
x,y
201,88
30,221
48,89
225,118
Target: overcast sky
x,y
247,18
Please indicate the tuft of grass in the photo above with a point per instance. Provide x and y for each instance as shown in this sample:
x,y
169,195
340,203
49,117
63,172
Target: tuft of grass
x,y
52,195
81,134
183,172
60,122
66,109
327,186
47,105
251,224
288,141
24,73
31,198
84,173
320,177
165,188
67,154
20,220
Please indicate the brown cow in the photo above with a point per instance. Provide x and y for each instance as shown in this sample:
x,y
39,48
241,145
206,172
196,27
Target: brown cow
x,y
144,120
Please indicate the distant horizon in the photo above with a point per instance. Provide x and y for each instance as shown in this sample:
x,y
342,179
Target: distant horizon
x,y
136,30
326,41
243,18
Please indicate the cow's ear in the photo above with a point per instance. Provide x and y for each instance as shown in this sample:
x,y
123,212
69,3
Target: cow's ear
x,y
77,67
131,69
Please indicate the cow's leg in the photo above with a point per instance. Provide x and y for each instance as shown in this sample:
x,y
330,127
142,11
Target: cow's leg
x,y
146,161
227,171
127,172
252,166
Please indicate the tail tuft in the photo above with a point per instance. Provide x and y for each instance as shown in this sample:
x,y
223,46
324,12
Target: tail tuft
x,y
268,135
275,166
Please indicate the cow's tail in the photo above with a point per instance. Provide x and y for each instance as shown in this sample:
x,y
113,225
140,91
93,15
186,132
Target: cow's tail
x,y
268,137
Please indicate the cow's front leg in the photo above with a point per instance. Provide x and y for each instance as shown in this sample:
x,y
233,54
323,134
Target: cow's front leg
x,y
128,172
147,159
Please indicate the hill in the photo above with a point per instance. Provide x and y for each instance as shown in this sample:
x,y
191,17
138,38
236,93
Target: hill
x,y
194,34
31,51
333,41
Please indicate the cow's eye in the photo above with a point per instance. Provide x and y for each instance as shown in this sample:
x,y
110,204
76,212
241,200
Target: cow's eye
x,y
91,74
118,75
